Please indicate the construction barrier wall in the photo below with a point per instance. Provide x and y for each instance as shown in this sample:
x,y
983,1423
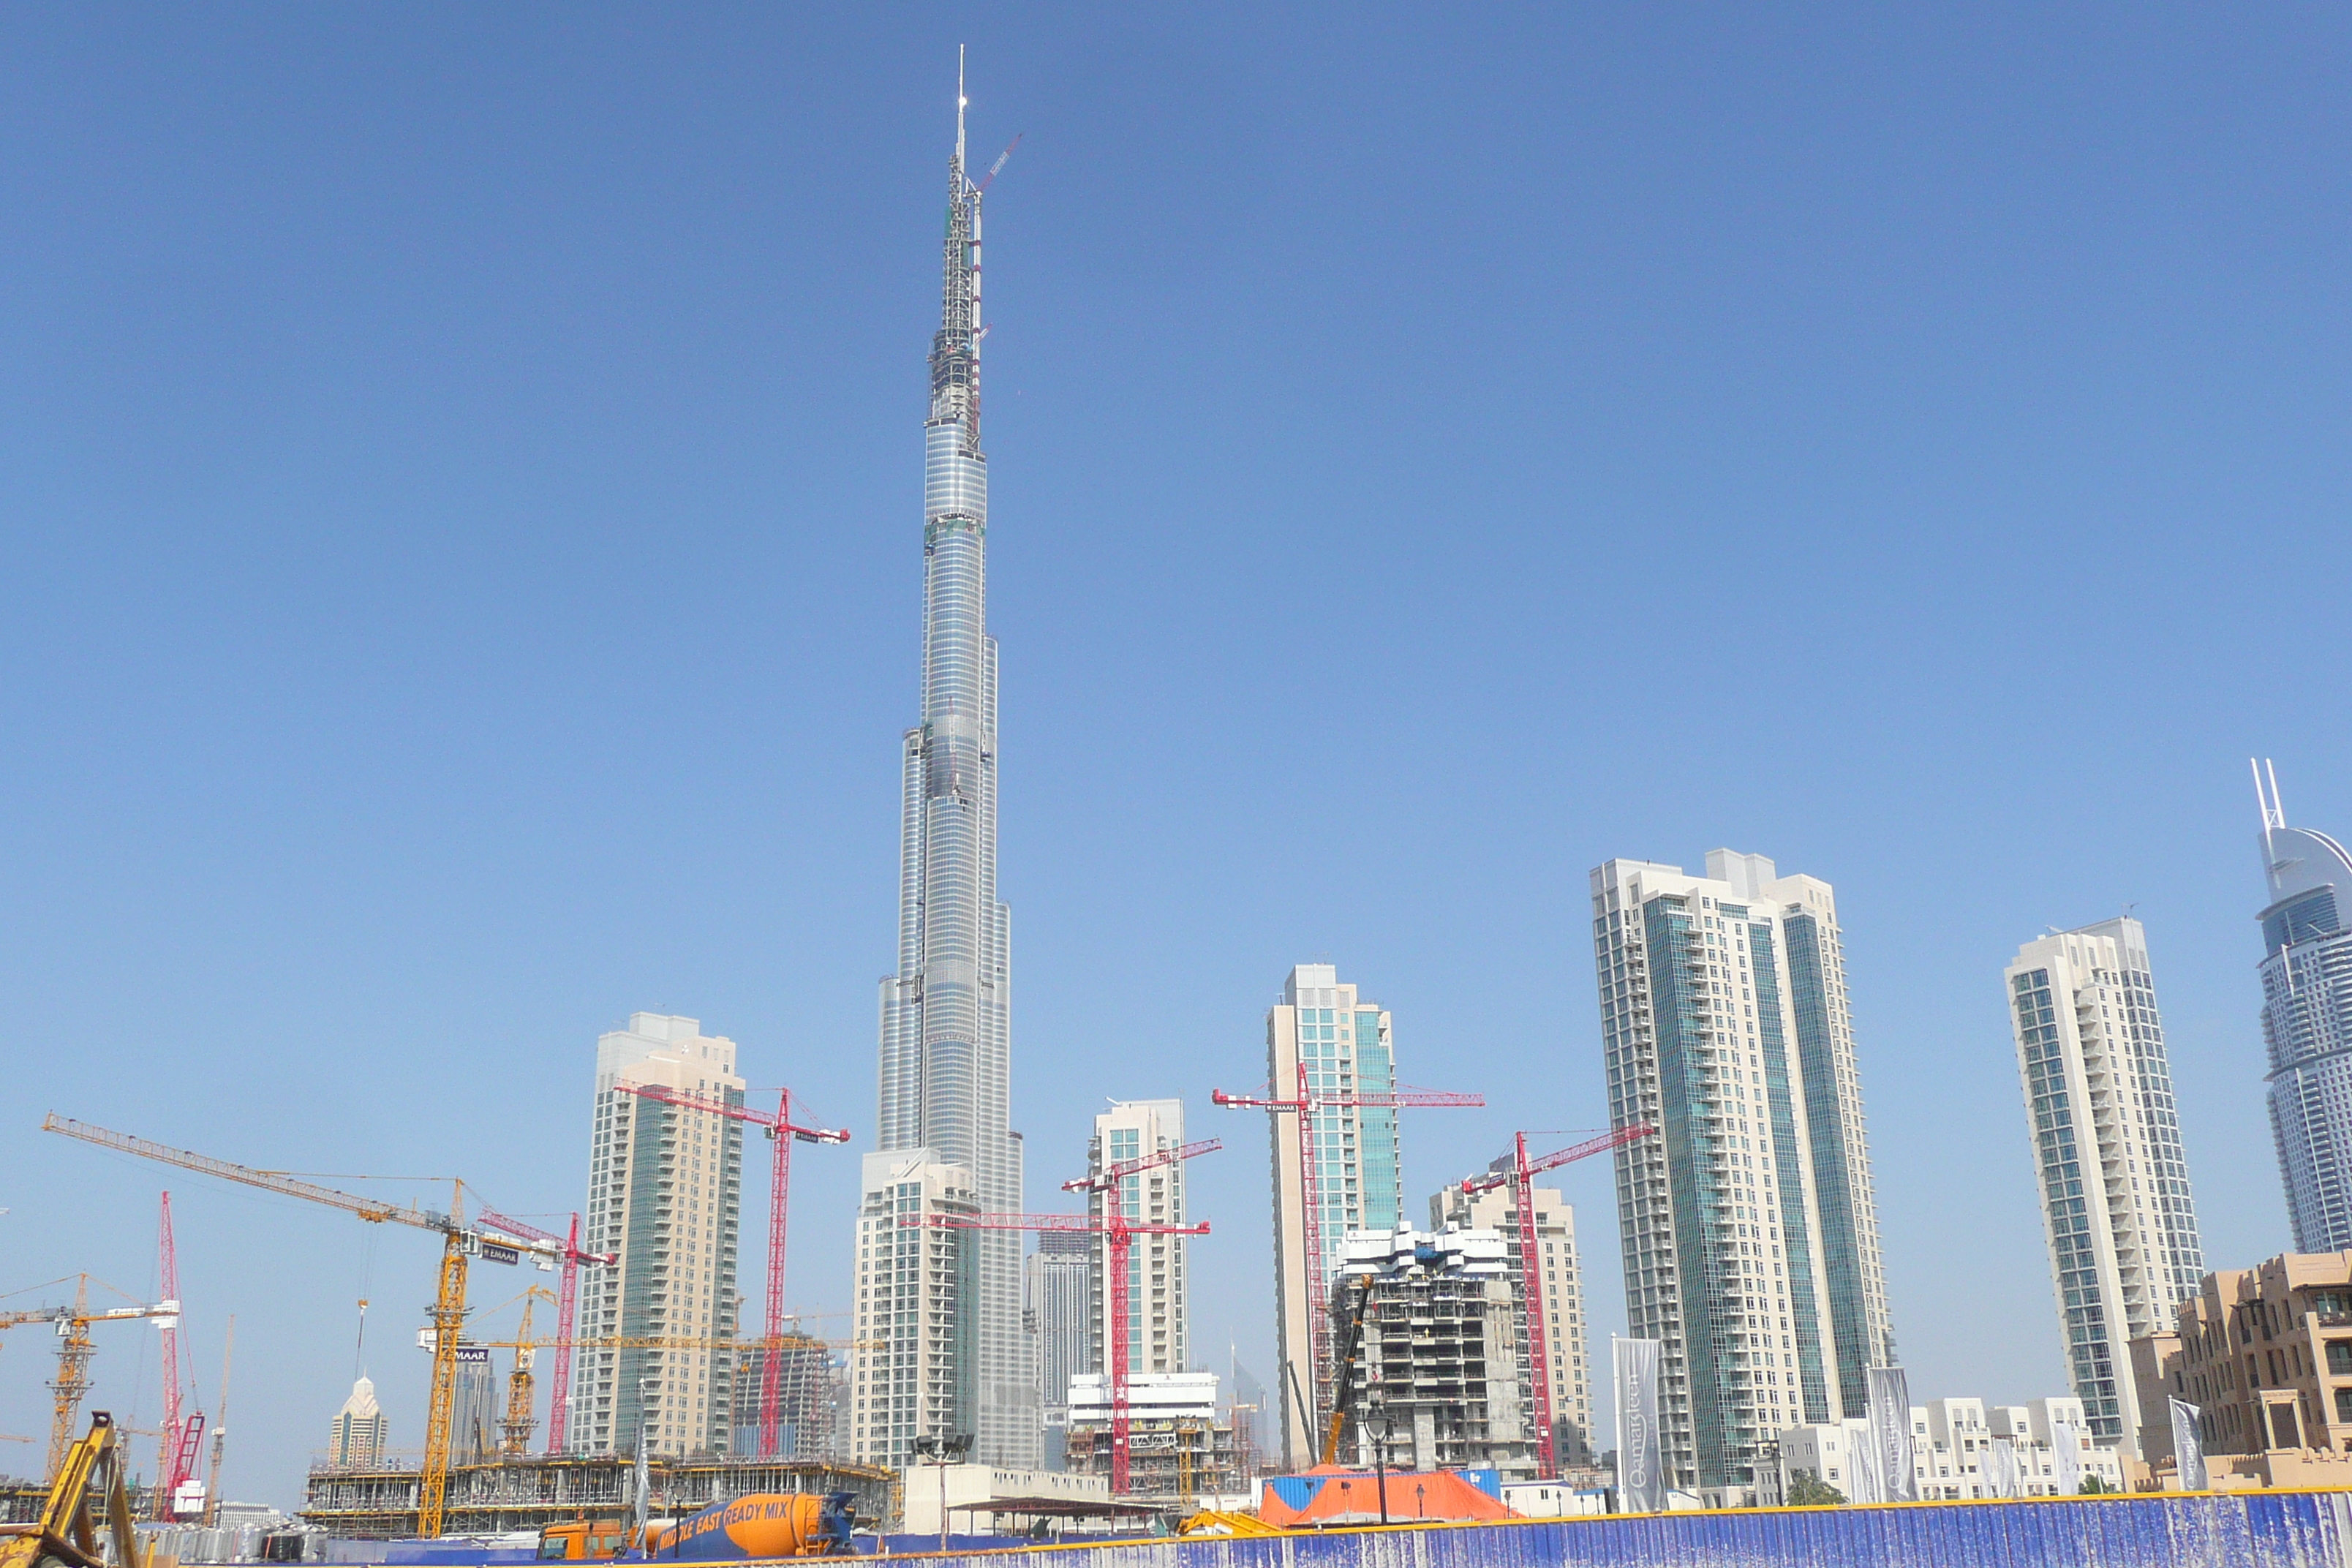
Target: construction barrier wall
x,y
2205,1529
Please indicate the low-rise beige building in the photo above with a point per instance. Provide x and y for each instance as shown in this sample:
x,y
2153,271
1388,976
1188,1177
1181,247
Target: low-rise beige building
x,y
2265,1354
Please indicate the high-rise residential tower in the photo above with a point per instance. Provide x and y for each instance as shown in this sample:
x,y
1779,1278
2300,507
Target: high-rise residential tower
x,y
913,1373
2115,1207
665,1192
1321,1037
946,1080
1061,1276
1561,1309
1157,1314
2307,1021
1749,1225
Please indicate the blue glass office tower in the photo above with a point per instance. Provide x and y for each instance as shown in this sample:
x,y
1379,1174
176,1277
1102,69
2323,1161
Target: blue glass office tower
x,y
946,1033
2307,1020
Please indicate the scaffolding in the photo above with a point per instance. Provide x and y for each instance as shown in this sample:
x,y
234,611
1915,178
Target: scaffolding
x,y
1441,1376
1173,1461
379,1503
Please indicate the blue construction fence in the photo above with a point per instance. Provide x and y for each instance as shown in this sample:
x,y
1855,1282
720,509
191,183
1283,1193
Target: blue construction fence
x,y
2197,1530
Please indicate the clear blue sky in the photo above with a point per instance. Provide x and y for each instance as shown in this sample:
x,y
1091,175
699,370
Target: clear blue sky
x,y
462,501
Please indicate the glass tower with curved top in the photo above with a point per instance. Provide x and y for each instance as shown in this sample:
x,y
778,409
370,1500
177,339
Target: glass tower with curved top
x,y
2307,1021
946,1047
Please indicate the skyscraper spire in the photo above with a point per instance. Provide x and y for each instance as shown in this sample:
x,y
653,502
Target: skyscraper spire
x,y
946,1047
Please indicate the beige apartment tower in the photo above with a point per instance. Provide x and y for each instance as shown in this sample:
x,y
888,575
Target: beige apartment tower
x,y
1158,1325
665,1192
1323,1038
358,1438
1561,1309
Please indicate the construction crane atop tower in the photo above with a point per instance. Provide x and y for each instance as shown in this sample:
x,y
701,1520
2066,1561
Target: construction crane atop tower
x,y
74,1350
784,1133
1304,1103
566,1308
1119,1233
460,1243
1120,1241
1519,1175
514,1430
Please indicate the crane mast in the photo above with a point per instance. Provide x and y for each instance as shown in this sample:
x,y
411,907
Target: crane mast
x,y
1520,1176
1119,1233
784,1133
1304,1104
460,1242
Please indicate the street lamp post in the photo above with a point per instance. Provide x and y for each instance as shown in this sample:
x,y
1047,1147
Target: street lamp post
x,y
942,1451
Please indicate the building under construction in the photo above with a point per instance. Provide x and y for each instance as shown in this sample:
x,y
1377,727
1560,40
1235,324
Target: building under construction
x,y
1434,1380
1177,1449
812,1398
380,1504
1172,1461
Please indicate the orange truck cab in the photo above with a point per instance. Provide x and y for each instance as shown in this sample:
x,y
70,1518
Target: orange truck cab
x,y
583,1540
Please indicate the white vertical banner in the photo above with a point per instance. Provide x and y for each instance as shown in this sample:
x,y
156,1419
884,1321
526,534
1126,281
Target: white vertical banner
x,y
1997,1468
1864,1479
1890,1427
2065,1457
2188,1447
1641,1448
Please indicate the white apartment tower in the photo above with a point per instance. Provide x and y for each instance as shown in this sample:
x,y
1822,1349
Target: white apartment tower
x,y
1322,1038
913,1370
1750,1230
665,1192
1560,1311
1158,1318
2115,1207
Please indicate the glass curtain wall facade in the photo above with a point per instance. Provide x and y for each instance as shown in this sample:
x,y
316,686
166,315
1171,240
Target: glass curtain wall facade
x,y
1324,1037
946,1019
2306,974
1749,1224
2116,1206
1061,1275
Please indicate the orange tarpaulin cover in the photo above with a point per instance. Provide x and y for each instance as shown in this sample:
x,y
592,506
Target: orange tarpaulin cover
x,y
1353,1496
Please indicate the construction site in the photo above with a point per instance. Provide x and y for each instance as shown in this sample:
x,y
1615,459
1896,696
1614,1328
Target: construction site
x,y
526,1492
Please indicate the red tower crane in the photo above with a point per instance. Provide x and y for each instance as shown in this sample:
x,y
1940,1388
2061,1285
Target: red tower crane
x,y
783,1132
182,1438
567,1301
1121,1237
1119,1233
1518,1175
1308,1101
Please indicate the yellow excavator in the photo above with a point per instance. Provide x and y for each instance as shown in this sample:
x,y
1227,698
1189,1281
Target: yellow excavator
x,y
88,1495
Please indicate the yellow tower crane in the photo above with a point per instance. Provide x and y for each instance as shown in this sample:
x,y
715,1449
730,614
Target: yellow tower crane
x,y
459,1244
74,1351
514,1432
